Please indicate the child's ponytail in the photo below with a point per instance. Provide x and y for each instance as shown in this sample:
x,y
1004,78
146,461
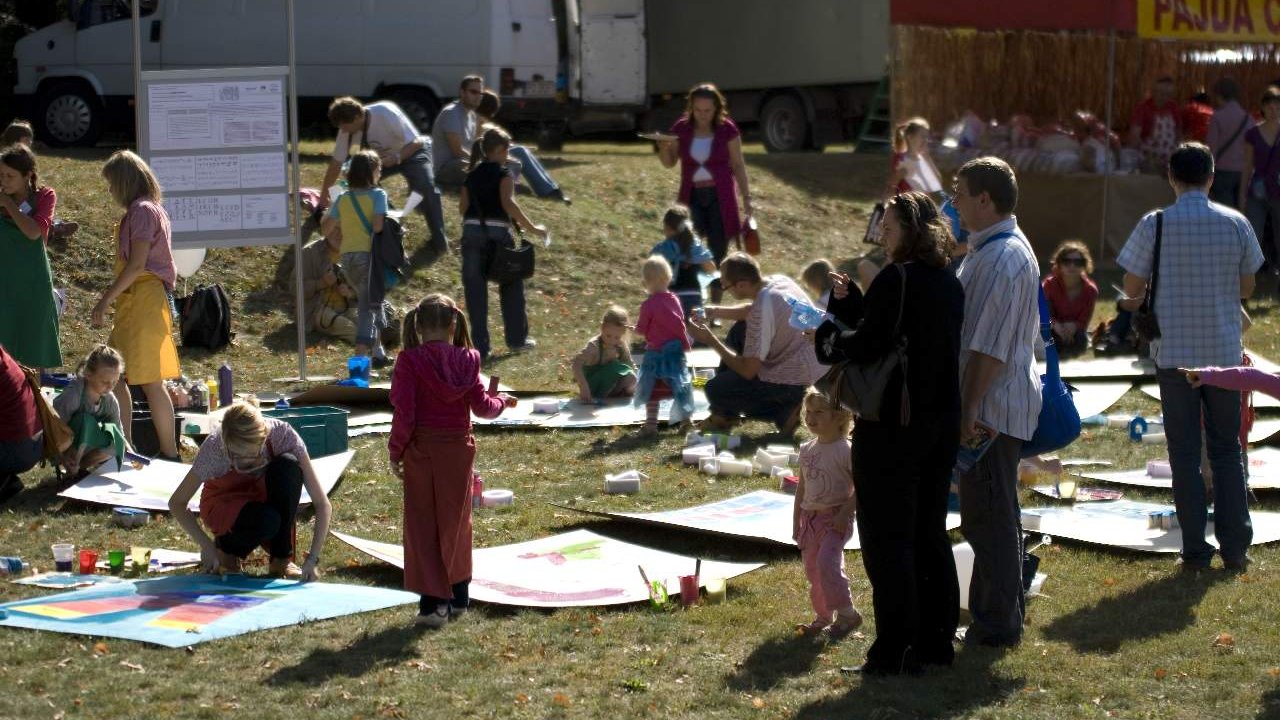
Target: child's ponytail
x,y
679,222
409,330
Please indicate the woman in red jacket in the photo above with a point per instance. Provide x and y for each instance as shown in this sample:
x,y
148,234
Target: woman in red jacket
x,y
1071,295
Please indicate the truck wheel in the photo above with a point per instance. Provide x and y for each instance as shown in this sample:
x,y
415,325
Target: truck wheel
x,y
69,114
784,124
421,106
551,138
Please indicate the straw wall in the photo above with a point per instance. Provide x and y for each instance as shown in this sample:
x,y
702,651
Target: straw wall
x,y
940,73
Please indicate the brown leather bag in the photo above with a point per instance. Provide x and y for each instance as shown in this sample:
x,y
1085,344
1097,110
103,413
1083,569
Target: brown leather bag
x,y
57,434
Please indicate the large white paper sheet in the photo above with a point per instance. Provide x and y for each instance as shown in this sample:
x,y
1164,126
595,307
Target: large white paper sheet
x,y
219,114
1264,473
574,413
1124,524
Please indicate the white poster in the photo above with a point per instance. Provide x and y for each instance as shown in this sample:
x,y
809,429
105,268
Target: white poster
x,y
197,173
215,115
227,212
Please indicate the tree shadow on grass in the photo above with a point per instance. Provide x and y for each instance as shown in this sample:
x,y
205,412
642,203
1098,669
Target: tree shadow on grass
x,y
1270,703
391,646
775,660
1168,606
939,693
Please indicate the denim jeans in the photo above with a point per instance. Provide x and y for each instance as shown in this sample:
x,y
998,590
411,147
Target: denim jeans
x,y
991,521
1184,406
476,252
534,173
370,318
419,176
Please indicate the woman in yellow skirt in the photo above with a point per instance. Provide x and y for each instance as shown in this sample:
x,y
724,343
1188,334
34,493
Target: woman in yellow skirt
x,y
142,293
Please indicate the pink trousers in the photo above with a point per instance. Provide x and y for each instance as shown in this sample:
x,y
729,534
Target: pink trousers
x,y
822,549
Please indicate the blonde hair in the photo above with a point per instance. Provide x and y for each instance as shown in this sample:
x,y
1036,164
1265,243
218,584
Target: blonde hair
x,y
905,129
243,427
817,275
843,416
1068,246
655,267
432,315
102,355
129,178
617,316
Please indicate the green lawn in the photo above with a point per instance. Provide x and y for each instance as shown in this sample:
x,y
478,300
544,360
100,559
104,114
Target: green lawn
x,y
1116,635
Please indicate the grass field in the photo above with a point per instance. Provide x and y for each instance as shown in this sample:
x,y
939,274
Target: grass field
x,y
1116,634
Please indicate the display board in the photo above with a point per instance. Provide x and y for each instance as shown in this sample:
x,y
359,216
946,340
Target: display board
x,y
217,140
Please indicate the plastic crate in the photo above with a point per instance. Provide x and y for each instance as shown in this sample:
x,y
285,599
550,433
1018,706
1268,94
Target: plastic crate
x,y
323,429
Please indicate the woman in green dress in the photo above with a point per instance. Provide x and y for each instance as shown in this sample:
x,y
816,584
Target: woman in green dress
x,y
29,322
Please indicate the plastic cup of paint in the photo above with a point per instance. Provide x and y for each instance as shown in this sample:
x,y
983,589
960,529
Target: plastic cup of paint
x,y
1067,488
88,561
141,557
717,590
64,556
115,558
688,590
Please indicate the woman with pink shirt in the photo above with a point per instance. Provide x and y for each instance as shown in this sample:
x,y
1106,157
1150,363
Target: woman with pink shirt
x,y
142,293
29,323
708,146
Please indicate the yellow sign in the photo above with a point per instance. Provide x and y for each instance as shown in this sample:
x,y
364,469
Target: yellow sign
x,y
1240,21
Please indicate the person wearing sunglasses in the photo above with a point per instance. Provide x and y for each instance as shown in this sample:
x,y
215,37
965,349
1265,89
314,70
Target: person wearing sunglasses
x,y
1072,296
454,131
252,470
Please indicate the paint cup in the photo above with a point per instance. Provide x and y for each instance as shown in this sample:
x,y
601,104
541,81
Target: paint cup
x,y
688,590
64,556
1067,488
789,484
717,590
141,557
88,561
115,558
695,454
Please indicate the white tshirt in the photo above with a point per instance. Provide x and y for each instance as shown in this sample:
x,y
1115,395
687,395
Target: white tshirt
x,y
389,129
700,151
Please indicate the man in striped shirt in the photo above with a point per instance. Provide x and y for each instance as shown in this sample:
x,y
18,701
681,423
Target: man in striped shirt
x,y
1208,255
999,392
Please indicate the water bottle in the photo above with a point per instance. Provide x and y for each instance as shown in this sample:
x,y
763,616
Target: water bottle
x,y
13,566
225,395
214,397
200,395
282,403
805,316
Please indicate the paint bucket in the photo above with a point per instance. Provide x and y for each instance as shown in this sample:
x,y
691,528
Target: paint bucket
x,y
64,556
115,560
1159,469
695,454
546,406
496,498
688,590
141,557
129,517
789,484
717,590
88,561
624,483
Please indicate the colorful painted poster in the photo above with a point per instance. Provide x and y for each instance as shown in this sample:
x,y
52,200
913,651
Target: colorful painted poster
x,y
1125,524
151,487
188,609
573,569
761,515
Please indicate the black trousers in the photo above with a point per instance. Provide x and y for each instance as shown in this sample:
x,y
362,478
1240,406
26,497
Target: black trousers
x,y
903,476
268,523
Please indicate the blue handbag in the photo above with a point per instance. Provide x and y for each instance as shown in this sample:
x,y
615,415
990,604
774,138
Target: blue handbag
x,y
1059,423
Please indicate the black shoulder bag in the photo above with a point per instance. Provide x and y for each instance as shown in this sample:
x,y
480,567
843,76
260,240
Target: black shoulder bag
x,y
1144,319
508,262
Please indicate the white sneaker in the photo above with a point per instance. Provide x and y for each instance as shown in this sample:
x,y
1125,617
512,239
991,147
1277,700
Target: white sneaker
x,y
529,344
435,619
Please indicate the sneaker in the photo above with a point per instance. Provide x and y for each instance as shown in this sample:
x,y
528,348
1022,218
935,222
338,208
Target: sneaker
x,y
435,619
283,568
457,612
1237,565
844,626
529,344
814,628
648,431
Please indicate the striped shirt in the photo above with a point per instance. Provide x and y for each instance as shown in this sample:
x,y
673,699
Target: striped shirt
x,y
786,356
1002,320
1205,248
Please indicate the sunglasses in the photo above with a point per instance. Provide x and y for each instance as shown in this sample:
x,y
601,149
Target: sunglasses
x,y
1071,261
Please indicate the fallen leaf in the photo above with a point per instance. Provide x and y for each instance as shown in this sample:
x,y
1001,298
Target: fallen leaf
x,y
1161,673
64,662
1109,581
1274,672
1224,640
132,666
100,648
562,700
521,699
757,703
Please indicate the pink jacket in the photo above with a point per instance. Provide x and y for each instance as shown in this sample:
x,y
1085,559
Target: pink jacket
x,y
1244,379
437,385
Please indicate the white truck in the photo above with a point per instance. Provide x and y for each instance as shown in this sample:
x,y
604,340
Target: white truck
x,y
802,69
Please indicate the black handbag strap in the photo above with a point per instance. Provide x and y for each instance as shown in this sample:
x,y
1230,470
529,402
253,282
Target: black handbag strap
x,y
902,301
1155,262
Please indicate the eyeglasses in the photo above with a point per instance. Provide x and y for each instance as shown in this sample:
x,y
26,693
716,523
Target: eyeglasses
x,y
1071,261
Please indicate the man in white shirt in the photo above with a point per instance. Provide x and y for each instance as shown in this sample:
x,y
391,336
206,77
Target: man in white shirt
x,y
455,130
999,391
384,128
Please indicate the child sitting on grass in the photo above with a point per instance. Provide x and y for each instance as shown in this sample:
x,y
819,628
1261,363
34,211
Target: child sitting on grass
x,y
604,368
823,516
663,372
89,407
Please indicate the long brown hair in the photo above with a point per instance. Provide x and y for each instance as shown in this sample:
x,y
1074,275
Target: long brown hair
x,y
20,158
926,235
678,221
493,138
712,93
432,315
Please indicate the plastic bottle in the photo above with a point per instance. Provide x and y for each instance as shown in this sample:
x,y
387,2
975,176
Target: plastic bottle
x,y
805,316
13,566
282,403
225,385
214,397
200,395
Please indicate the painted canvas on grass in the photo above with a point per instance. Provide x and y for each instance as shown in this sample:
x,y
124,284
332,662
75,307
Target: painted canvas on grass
x,y
1124,524
576,414
1264,473
573,569
189,609
1092,398
150,487
761,515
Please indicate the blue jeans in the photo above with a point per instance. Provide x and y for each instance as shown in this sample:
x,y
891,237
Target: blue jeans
x,y
370,318
420,178
533,171
477,250
1183,408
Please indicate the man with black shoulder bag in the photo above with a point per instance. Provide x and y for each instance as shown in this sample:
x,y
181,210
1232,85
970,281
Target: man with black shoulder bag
x,y
1187,267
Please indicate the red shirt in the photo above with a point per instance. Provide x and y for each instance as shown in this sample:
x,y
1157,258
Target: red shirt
x,y
1195,120
1144,115
1063,309
42,203
18,418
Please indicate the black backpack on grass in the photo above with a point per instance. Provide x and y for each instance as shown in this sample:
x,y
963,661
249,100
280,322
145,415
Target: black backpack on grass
x,y
206,318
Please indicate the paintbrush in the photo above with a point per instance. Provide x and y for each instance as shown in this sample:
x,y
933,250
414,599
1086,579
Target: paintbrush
x,y
648,586
697,573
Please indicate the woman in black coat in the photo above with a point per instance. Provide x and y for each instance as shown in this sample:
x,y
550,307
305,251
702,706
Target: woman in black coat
x,y
902,463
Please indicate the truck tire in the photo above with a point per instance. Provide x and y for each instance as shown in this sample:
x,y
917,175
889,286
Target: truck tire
x,y
784,125
69,113
420,105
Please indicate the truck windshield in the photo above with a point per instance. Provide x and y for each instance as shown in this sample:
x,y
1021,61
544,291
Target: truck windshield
x,y
88,13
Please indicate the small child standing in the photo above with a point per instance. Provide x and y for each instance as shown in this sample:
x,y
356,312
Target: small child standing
x,y
604,368
687,256
663,372
89,407
435,386
360,212
823,516
816,279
